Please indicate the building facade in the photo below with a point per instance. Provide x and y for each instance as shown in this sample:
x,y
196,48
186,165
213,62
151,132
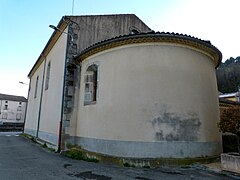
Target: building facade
x,y
153,95
112,86
54,79
12,109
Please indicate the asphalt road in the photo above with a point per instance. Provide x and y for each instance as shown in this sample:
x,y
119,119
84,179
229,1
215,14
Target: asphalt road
x,y
23,159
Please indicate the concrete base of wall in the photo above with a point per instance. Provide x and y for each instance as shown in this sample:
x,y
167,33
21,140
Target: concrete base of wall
x,y
230,162
139,162
45,136
136,149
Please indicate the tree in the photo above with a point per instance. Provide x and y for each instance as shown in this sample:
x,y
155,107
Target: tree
x,y
228,75
230,122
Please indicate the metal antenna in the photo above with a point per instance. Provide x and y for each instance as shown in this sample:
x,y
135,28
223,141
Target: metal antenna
x,y
72,6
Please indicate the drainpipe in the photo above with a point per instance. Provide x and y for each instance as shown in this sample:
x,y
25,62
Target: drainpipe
x,y
63,94
40,103
1,109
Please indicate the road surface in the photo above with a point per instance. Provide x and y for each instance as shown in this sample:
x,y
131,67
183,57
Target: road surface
x,y
23,159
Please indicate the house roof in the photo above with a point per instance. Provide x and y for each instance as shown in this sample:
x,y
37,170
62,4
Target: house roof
x,y
167,37
227,95
225,101
12,98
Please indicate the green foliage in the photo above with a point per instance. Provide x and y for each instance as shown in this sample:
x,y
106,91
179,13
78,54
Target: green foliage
x,y
228,75
78,155
44,145
126,164
230,122
229,143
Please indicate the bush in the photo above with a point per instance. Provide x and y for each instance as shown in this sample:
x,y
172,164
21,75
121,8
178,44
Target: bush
x,y
230,122
78,155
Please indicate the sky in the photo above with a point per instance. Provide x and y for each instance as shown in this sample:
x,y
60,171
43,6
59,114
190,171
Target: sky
x,y
24,27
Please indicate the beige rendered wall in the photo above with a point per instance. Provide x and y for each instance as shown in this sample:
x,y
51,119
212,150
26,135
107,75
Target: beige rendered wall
x,y
93,29
33,103
152,93
50,115
52,97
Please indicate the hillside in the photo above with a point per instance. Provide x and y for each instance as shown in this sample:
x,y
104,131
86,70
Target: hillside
x,y
228,75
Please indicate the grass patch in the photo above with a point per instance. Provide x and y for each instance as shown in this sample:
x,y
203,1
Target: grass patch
x,y
128,165
44,145
78,155
146,166
28,137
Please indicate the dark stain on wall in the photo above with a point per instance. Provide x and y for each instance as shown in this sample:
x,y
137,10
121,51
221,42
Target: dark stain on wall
x,y
170,126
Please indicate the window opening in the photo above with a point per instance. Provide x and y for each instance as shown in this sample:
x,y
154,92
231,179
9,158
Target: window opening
x,y
47,76
36,88
5,107
4,115
91,83
19,108
18,116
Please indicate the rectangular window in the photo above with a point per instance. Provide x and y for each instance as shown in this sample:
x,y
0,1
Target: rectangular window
x,y
5,107
47,76
36,88
18,116
4,115
19,108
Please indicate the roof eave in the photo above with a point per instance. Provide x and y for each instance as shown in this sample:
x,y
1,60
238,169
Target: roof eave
x,y
55,35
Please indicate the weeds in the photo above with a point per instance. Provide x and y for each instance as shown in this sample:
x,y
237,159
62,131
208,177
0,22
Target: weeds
x,y
78,155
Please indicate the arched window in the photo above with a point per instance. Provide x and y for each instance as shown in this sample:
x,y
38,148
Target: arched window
x,y
91,84
134,30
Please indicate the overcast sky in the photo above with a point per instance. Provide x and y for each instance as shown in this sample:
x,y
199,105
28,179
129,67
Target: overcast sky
x,y
24,28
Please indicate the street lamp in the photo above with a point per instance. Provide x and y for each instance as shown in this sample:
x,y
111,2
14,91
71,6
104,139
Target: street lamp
x,y
57,29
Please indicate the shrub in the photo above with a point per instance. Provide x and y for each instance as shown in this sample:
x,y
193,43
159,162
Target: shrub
x,y
230,122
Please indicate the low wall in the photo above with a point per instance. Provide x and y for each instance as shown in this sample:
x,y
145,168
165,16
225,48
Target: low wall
x,y
11,127
230,162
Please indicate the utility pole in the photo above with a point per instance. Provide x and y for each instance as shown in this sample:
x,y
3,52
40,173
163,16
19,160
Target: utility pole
x,y
72,6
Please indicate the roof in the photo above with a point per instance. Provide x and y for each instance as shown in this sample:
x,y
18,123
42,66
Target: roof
x,y
12,98
228,95
225,101
62,25
202,45
54,37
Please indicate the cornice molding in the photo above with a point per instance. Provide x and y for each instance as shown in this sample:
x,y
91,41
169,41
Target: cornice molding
x,y
204,47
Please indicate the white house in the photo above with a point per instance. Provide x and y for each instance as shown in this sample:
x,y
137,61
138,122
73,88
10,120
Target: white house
x,y
128,92
12,109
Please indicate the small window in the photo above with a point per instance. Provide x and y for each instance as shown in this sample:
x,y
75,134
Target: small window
x,y
20,103
5,107
6,101
47,76
91,84
134,30
36,88
18,116
19,108
4,115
